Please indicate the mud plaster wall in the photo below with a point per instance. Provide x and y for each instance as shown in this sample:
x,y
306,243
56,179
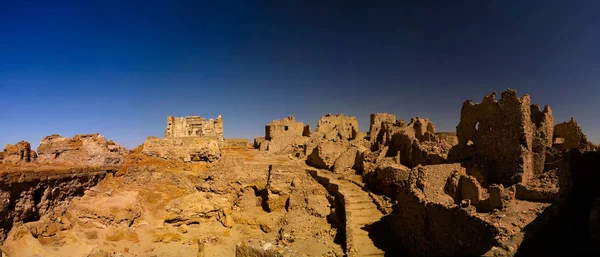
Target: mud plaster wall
x,y
346,126
572,136
500,136
285,128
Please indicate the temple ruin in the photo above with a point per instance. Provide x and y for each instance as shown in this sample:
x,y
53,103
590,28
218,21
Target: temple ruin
x,y
188,139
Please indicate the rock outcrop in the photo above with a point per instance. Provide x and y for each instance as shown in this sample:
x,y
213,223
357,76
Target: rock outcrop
x,y
26,195
18,153
81,150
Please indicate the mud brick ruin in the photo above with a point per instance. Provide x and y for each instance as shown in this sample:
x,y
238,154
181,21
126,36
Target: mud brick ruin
x,y
188,139
507,139
507,182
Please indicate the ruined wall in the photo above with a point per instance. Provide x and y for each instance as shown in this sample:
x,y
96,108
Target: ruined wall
x,y
377,121
18,153
337,127
427,223
193,126
81,150
188,139
284,128
283,135
26,195
568,135
185,149
504,137
414,143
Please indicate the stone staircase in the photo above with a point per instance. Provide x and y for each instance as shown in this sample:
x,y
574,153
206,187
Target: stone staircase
x,y
359,211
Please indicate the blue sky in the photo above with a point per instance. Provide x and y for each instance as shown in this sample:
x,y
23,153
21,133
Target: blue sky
x,y
120,67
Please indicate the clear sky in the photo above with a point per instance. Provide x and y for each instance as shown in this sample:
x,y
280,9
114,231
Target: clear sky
x,y
120,67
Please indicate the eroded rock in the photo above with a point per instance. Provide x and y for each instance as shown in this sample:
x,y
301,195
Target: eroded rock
x,y
81,150
18,153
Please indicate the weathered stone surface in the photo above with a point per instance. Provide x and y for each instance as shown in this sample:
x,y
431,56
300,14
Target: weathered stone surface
x,y
387,176
195,126
336,127
470,189
377,121
18,153
188,139
427,221
506,137
196,207
253,248
346,162
184,149
284,128
27,196
325,154
497,197
81,150
448,137
414,143
283,135
568,136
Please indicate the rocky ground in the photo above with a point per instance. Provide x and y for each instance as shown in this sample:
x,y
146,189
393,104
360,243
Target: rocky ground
x,y
154,207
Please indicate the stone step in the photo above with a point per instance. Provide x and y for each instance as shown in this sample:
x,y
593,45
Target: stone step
x,y
372,213
367,249
359,221
361,206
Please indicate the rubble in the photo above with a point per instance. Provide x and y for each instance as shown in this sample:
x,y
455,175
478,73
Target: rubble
x,y
81,150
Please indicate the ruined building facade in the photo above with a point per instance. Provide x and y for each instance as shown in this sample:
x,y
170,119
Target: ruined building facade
x,y
507,139
191,138
194,126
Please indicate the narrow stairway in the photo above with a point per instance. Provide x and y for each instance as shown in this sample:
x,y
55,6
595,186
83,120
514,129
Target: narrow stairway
x,y
360,211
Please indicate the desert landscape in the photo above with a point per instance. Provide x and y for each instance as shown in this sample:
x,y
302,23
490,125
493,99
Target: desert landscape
x,y
510,181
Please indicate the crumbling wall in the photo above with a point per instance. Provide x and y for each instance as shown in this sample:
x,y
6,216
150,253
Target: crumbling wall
x,y
18,153
415,143
337,126
504,137
568,135
283,135
188,139
185,149
81,150
284,128
428,223
377,121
